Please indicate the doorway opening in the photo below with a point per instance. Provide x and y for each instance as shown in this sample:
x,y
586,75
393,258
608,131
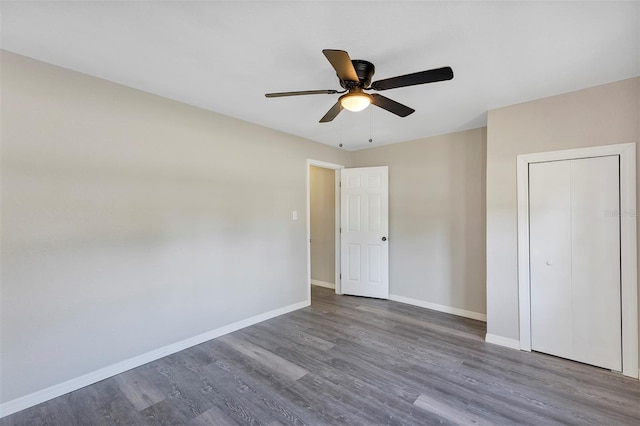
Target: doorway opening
x,y
323,225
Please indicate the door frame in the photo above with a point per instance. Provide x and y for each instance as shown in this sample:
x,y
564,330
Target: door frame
x,y
628,248
335,168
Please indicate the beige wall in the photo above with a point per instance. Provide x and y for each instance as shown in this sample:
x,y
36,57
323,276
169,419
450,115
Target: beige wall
x,y
436,217
322,183
602,115
130,222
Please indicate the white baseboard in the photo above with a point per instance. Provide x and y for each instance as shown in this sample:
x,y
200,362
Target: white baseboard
x,y
440,308
55,391
323,284
502,341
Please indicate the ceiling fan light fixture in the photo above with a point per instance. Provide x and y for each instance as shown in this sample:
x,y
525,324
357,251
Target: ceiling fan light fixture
x,y
356,101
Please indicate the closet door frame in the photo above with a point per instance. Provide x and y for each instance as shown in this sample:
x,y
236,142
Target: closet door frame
x,y
628,248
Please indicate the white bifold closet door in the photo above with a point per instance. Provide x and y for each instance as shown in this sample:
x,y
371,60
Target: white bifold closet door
x,y
574,230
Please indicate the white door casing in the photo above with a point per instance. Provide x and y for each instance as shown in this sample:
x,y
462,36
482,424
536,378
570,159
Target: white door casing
x,y
365,231
628,250
575,260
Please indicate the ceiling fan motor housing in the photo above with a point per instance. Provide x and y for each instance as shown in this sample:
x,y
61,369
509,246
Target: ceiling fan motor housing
x,y
365,71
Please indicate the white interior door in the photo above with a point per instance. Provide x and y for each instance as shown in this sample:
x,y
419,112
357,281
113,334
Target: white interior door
x,y
575,260
364,196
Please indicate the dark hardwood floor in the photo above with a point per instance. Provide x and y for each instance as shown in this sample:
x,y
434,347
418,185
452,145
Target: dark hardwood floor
x,y
355,361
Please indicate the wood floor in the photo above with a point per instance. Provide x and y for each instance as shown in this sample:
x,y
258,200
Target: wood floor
x,y
355,361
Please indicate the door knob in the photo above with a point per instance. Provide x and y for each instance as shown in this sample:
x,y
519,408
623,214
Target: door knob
x,y
384,238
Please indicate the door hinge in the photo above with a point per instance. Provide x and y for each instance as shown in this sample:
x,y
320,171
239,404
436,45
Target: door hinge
x,y
340,276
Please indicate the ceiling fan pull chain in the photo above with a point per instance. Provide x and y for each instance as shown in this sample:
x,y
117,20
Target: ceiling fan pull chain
x,y
370,138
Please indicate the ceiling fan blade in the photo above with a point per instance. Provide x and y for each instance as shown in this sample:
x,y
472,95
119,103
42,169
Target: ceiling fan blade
x,y
422,77
341,62
391,105
332,113
304,92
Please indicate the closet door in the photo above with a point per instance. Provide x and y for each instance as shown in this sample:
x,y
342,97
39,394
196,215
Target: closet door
x,y
550,257
575,260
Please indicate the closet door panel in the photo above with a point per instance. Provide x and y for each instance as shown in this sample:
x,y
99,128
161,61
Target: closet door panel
x,y
595,259
550,257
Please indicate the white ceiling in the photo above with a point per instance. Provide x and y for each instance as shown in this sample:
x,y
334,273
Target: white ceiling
x,y
224,56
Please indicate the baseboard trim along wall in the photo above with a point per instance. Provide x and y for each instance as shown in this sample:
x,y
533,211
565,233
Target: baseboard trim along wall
x,y
60,389
440,308
502,341
323,284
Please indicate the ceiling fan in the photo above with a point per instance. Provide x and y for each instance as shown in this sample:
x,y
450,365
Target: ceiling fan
x,y
355,77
